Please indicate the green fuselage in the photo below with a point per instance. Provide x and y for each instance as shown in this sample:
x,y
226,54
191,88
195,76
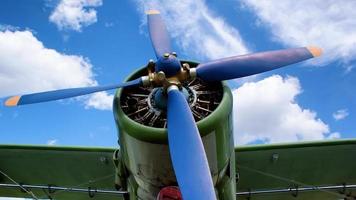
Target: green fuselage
x,y
145,165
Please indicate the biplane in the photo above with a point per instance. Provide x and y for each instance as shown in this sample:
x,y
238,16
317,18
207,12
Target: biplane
x,y
175,132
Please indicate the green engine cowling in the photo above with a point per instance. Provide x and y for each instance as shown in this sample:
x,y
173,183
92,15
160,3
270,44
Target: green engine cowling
x,y
143,162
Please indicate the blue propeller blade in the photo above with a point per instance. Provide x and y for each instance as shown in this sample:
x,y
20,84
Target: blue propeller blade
x,y
158,33
250,64
64,93
187,151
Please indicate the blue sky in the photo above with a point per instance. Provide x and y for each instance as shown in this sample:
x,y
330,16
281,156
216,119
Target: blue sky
x,y
57,44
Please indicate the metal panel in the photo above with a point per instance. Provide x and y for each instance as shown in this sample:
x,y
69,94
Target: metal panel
x,y
270,167
58,166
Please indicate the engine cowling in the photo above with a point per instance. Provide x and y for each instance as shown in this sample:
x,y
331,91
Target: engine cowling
x,y
142,132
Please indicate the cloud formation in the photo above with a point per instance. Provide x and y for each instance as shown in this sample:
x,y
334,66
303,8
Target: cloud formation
x,y
325,23
266,111
340,114
100,101
27,66
196,29
275,117
75,14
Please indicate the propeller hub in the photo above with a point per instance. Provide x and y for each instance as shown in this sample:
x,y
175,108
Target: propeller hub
x,y
169,64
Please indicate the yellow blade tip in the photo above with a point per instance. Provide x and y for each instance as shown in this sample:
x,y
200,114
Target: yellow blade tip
x,y
12,101
315,51
152,12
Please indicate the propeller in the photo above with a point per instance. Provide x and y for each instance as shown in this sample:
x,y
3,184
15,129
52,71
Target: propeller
x,y
166,59
187,151
250,64
158,33
186,148
64,93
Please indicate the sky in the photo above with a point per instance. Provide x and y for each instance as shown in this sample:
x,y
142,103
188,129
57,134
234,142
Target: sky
x,y
54,44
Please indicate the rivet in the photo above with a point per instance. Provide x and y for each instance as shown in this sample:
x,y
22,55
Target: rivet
x,y
275,157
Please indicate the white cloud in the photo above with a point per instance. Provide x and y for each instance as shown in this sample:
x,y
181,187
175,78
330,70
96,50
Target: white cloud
x,y
75,14
196,29
329,24
101,101
340,114
52,142
27,66
267,111
264,111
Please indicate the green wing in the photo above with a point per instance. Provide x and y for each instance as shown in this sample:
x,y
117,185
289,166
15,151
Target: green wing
x,y
302,165
57,166
261,167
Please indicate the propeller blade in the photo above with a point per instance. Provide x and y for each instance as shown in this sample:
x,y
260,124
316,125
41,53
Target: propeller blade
x,y
64,93
158,33
250,64
187,151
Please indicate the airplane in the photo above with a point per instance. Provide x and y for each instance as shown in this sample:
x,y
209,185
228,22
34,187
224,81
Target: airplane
x,y
175,132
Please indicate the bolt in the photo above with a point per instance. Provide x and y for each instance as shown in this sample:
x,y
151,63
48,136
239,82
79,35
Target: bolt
x,y
161,76
174,54
166,55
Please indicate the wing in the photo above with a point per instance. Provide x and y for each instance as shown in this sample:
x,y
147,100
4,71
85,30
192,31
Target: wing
x,y
66,167
277,168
